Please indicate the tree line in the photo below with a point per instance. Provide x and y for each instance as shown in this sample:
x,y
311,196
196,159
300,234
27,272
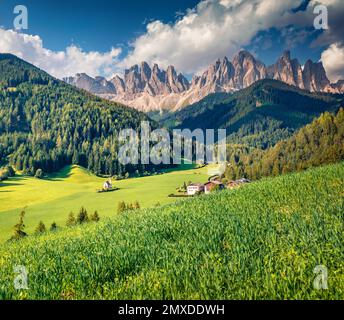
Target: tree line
x,y
81,218
318,143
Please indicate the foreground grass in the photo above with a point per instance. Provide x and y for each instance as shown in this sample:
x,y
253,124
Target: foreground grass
x,y
259,242
50,200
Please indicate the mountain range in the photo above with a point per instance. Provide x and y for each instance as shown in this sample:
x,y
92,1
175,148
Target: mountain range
x,y
47,124
152,89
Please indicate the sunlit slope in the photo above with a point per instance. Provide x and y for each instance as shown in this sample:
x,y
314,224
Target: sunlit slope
x,y
50,200
259,242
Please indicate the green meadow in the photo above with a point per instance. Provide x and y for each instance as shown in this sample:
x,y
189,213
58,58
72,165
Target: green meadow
x,y
51,199
262,241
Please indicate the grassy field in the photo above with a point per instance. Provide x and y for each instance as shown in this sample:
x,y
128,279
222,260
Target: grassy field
x,y
51,200
262,241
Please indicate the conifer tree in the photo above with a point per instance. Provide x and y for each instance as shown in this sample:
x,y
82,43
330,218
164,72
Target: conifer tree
x,y
40,228
95,217
71,220
137,205
82,216
53,227
121,207
19,227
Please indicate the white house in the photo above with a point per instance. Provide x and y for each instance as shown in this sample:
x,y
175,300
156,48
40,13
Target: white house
x,y
194,188
107,185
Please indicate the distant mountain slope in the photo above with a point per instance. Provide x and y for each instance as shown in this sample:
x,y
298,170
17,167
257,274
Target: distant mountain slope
x,y
154,89
319,143
14,71
47,124
260,115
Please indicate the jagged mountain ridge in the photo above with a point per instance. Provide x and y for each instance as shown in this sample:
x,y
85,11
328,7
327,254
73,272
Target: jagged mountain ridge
x,y
152,89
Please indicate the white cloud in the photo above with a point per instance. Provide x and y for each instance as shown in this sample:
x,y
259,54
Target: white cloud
x,y
58,63
211,30
333,60
215,28
335,33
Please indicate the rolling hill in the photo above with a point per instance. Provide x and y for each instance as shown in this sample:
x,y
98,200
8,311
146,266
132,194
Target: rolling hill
x,y
259,242
259,116
53,198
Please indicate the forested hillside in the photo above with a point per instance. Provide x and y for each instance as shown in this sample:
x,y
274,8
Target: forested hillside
x,y
321,142
259,116
47,124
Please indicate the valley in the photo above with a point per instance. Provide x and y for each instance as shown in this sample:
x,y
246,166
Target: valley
x,y
51,199
169,158
59,155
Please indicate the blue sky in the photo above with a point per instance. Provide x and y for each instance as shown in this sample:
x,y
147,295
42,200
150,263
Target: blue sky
x,y
93,25
105,37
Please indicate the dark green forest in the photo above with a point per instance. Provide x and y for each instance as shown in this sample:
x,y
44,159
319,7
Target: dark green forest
x,y
259,116
319,143
46,124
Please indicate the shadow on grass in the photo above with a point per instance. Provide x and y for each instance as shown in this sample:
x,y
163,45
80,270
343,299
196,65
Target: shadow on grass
x,y
64,173
11,182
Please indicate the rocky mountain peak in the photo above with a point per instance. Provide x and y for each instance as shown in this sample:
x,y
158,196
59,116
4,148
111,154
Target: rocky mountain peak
x,y
118,84
287,70
314,76
146,72
243,55
286,55
132,80
247,70
97,84
146,88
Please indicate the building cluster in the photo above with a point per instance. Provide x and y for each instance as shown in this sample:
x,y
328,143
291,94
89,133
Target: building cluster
x,y
212,185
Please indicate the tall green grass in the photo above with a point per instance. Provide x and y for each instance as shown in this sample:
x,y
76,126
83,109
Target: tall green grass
x,y
259,242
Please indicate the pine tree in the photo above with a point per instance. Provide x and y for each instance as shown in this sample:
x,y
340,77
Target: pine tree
x,y
53,227
19,228
82,216
40,228
121,207
71,220
275,169
95,217
11,171
137,205
184,186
